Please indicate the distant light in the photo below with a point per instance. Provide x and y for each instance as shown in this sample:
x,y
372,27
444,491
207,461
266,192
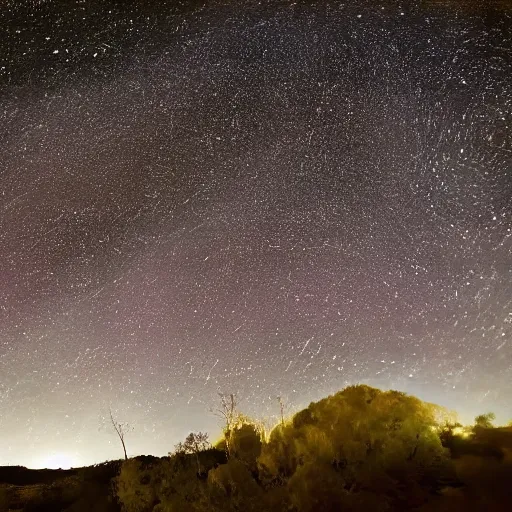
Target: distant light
x,y
57,461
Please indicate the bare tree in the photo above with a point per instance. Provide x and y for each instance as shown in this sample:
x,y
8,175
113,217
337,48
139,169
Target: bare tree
x,y
263,426
121,430
281,409
228,413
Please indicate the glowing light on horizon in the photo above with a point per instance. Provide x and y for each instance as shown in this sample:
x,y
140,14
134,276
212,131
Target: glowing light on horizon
x,y
57,461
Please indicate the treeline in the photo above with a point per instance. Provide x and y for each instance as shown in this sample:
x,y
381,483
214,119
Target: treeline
x,y
361,449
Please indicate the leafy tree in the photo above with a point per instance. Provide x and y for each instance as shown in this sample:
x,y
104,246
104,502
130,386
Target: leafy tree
x,y
246,444
485,420
362,439
194,444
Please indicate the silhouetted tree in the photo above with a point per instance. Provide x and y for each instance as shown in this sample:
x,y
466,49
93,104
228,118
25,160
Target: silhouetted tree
x,y
281,409
485,420
121,430
194,444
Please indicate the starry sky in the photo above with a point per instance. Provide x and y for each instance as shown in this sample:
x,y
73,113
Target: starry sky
x,y
273,199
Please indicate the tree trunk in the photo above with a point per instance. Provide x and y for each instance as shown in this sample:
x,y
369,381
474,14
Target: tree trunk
x,y
124,448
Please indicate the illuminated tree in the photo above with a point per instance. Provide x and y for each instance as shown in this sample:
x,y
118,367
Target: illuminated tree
x,y
360,438
230,416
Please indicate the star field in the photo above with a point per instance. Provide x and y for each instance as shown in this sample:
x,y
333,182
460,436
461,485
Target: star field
x,y
274,199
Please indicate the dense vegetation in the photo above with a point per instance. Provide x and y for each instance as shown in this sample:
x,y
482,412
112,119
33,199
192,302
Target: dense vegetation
x,y
361,449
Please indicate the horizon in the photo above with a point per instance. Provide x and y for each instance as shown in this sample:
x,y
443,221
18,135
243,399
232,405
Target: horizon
x,y
113,441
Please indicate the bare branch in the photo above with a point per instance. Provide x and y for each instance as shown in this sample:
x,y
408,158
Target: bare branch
x,y
121,430
229,414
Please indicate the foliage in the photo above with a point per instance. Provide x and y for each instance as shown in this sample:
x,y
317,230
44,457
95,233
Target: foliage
x,y
232,487
194,444
246,443
95,490
360,449
355,443
230,415
485,420
133,487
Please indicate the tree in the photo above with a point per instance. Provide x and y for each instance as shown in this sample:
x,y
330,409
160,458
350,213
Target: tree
x,y
229,414
194,444
281,409
263,426
355,440
121,430
246,443
485,420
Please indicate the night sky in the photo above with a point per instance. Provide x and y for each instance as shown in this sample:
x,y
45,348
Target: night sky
x,y
266,198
